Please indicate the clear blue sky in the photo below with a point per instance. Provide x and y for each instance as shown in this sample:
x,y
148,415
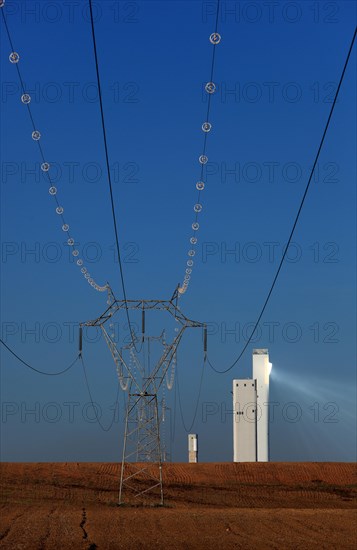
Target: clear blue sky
x,y
283,65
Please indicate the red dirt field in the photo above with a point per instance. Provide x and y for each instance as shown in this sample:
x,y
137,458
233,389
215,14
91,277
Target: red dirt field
x,y
211,506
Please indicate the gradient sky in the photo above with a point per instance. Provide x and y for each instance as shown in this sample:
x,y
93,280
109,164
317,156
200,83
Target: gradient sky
x,y
283,62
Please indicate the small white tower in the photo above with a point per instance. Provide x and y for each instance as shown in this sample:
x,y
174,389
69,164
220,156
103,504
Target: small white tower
x,y
192,448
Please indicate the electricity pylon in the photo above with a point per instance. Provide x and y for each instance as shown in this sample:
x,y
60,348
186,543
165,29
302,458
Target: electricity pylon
x,y
141,471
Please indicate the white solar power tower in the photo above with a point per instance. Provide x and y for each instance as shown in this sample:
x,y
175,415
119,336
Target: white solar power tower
x,y
261,373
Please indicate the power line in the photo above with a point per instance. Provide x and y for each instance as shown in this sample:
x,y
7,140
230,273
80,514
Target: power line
x,y
108,170
173,426
37,370
197,401
45,166
297,215
104,428
210,88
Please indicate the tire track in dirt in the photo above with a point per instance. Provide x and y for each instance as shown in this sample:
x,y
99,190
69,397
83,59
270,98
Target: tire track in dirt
x,y
6,532
82,525
83,522
42,541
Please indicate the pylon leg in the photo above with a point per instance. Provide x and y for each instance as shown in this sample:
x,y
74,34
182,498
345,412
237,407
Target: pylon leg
x,y
123,457
141,471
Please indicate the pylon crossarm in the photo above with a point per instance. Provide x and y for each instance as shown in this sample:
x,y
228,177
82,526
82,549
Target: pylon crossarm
x,y
166,305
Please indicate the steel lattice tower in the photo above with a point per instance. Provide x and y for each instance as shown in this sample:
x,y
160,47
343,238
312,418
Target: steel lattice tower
x,y
141,470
